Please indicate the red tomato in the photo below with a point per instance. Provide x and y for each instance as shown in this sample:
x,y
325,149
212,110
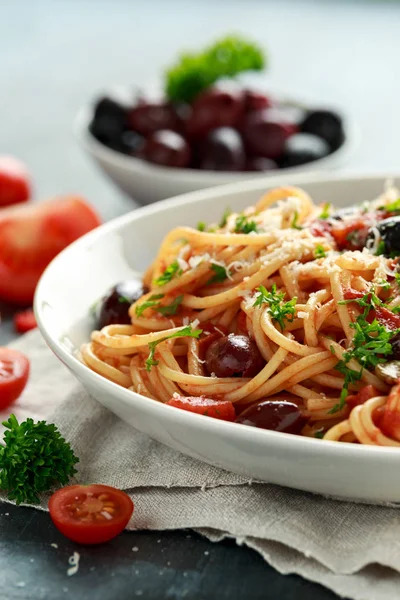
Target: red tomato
x,y
31,236
90,514
218,409
365,393
24,321
387,318
352,294
14,373
15,184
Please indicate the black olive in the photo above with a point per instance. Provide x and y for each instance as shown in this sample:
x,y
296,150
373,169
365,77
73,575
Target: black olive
x,y
234,356
303,148
389,230
114,306
109,122
327,125
395,343
276,415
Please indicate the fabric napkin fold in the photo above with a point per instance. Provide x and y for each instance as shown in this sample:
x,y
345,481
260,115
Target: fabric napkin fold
x,y
353,549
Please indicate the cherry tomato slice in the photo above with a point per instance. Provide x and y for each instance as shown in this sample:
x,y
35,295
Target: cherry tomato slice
x,y
365,393
15,183
14,373
90,514
24,321
218,409
32,235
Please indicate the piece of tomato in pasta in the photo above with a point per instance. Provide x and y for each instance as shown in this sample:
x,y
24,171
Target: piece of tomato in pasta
x,y
218,409
365,393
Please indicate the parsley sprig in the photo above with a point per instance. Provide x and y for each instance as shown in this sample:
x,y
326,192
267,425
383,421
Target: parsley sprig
x,y
279,310
164,309
169,273
221,273
244,224
224,219
34,459
370,345
184,332
295,221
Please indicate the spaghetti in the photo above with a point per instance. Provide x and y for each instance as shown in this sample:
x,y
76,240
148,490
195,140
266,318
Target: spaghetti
x,y
287,311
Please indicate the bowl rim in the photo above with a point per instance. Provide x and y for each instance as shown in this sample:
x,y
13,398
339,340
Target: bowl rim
x,y
157,409
130,163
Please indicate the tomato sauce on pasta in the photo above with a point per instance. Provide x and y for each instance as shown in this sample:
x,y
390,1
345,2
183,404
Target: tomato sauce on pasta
x,y
284,316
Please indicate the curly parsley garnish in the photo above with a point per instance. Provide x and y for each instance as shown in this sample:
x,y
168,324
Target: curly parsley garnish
x,y
319,251
245,225
279,310
169,273
221,273
164,309
184,332
34,459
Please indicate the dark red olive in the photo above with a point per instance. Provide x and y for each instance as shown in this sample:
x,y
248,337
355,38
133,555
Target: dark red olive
x,y
395,343
148,117
326,124
216,107
254,100
278,415
223,151
303,148
166,148
234,356
259,163
264,135
109,122
114,306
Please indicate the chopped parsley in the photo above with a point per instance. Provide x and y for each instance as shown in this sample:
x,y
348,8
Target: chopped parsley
x,y
245,225
224,218
319,251
397,278
221,274
170,309
201,226
385,285
392,207
124,300
370,346
326,210
166,309
319,433
295,220
279,310
150,303
168,274
184,332
381,248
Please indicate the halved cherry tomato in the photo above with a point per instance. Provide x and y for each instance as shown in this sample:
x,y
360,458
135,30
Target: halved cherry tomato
x,y
365,393
24,321
90,514
387,318
31,236
15,184
14,373
218,409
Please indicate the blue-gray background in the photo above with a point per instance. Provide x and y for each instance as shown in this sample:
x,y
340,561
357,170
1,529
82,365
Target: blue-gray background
x,y
55,54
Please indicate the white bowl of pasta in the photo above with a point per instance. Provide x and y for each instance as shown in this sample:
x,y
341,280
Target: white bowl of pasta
x,y
280,322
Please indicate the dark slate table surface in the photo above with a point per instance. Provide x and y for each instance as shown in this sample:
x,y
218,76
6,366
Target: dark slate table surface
x,y
54,54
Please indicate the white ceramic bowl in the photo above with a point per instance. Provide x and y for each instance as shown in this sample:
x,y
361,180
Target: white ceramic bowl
x,y
80,275
148,183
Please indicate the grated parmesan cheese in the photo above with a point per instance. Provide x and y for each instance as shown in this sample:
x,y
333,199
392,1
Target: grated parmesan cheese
x,y
195,323
183,265
194,261
303,315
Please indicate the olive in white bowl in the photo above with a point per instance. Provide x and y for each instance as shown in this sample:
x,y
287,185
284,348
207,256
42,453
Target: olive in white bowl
x,y
153,149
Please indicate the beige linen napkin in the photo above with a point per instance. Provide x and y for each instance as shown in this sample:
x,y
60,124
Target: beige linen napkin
x,y
353,549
